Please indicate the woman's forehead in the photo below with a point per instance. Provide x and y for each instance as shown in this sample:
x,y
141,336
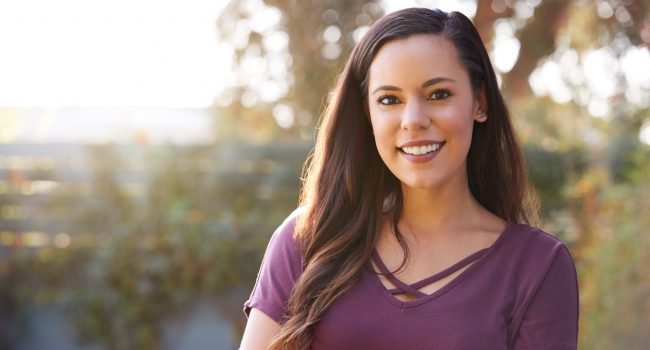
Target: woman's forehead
x,y
418,57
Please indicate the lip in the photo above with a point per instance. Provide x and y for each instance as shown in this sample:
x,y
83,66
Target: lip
x,y
420,143
422,158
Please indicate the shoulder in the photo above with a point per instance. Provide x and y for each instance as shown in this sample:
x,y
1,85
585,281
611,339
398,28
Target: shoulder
x,y
529,253
285,233
281,267
542,273
531,240
283,246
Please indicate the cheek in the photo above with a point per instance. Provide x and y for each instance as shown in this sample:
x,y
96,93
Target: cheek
x,y
384,132
456,122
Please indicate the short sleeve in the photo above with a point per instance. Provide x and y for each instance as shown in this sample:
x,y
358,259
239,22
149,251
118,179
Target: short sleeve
x,y
280,269
551,319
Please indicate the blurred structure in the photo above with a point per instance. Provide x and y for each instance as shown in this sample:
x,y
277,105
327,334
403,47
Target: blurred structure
x,y
109,243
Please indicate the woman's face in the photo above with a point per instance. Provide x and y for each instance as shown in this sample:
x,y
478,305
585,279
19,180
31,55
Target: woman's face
x,y
422,109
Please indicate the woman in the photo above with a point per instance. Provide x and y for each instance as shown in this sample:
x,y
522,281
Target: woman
x,y
412,231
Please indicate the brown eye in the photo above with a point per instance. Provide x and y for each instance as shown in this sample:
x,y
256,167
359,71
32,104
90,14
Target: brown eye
x,y
387,100
440,94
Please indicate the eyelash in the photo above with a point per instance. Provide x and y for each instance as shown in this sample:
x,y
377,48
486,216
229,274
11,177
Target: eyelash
x,y
446,92
395,100
381,99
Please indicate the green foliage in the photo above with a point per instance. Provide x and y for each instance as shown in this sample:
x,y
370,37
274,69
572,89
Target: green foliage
x,y
549,173
312,64
200,228
615,300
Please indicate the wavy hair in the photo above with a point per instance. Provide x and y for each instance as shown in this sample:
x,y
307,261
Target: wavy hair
x,y
348,188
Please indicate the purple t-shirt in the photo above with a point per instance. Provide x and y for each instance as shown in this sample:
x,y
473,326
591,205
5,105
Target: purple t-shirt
x,y
520,293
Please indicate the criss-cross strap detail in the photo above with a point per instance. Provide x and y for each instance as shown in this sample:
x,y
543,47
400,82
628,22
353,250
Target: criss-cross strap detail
x,y
403,287
413,289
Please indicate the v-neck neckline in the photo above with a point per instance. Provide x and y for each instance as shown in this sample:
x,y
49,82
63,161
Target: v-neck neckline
x,y
474,260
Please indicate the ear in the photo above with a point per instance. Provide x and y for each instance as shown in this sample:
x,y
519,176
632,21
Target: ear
x,y
480,112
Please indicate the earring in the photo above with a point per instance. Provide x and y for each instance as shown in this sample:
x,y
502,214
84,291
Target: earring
x,y
481,116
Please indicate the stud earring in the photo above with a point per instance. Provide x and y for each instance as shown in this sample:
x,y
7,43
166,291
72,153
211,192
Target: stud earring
x,y
481,116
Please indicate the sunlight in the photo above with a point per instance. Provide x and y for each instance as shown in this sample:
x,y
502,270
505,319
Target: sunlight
x,y
467,7
112,54
506,46
644,134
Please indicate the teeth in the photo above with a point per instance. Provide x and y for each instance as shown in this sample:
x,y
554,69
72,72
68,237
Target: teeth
x,y
419,150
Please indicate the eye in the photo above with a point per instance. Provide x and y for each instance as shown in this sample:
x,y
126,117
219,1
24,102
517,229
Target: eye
x,y
387,100
440,94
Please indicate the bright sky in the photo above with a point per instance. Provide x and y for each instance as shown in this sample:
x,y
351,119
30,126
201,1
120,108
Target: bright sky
x,y
165,54
150,53
121,53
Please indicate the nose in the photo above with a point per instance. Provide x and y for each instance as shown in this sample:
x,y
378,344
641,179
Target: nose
x,y
414,116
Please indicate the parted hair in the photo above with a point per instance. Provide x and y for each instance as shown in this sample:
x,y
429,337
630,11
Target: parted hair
x,y
347,187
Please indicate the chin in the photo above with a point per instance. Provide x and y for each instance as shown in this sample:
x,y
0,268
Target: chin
x,y
420,184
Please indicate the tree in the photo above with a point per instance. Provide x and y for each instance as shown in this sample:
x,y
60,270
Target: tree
x,y
317,36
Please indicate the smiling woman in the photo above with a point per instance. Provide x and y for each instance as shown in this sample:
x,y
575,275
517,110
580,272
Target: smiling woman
x,y
413,227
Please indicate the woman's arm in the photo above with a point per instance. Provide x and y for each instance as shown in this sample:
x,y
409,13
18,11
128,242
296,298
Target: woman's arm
x,y
259,331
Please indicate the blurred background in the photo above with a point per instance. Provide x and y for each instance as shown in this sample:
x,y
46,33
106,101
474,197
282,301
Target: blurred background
x,y
148,150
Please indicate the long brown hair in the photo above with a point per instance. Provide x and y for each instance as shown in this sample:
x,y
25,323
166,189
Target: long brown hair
x,y
347,185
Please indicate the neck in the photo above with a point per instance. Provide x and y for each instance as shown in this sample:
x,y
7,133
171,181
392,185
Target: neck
x,y
438,211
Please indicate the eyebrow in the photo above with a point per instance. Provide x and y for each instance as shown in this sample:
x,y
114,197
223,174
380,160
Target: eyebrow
x,y
425,84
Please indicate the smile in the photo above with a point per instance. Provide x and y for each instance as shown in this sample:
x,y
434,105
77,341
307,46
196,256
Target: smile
x,y
420,150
